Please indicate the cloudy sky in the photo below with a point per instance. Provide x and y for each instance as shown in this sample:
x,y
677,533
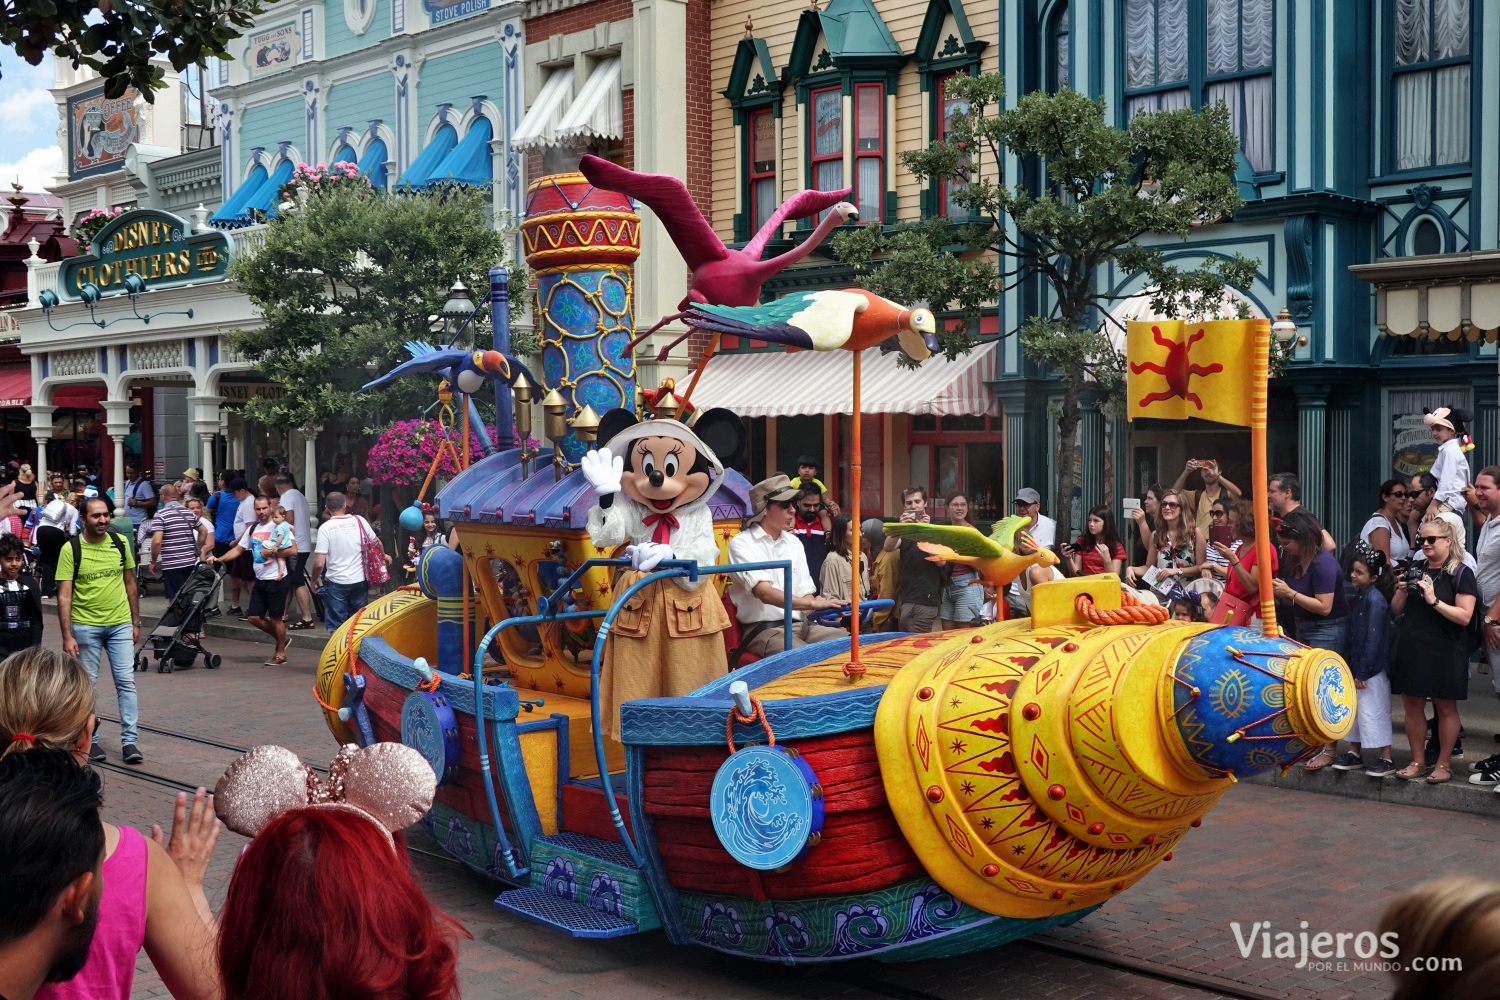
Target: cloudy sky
x,y
28,124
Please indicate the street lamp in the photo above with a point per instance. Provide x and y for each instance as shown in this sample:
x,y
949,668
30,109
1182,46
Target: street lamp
x,y
458,312
1285,329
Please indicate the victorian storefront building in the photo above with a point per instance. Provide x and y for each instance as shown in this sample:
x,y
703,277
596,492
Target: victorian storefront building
x,y
1368,141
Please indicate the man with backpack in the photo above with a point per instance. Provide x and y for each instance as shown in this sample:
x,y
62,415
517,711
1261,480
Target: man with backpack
x,y
140,496
98,608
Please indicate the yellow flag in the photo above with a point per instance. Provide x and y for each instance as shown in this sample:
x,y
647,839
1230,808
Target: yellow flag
x,y
1179,370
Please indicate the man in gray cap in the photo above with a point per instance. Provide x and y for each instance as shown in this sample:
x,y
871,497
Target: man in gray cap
x,y
757,595
1043,531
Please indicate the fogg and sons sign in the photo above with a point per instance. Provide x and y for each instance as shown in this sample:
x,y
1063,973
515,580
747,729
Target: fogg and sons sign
x,y
159,247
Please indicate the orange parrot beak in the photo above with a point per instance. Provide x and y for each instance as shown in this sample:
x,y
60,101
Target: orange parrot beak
x,y
493,361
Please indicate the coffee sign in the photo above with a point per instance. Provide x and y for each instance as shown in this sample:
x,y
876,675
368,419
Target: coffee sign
x,y
159,247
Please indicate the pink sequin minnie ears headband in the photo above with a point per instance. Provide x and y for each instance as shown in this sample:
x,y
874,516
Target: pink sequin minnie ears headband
x,y
390,784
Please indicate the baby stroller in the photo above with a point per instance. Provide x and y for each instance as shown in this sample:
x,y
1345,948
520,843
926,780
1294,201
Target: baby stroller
x,y
175,641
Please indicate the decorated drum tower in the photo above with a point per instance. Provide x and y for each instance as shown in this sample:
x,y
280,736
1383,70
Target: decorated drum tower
x,y
580,242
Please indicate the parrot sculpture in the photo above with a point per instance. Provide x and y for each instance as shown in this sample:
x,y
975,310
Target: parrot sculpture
x,y
999,557
467,371
720,275
851,319
464,370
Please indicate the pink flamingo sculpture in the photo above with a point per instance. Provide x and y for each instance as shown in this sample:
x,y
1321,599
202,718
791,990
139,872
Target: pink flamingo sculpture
x,y
720,276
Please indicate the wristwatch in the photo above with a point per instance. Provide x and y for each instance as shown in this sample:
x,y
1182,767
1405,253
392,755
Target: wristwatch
x,y
1490,621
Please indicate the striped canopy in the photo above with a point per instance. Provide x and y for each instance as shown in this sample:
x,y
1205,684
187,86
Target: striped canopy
x,y
809,383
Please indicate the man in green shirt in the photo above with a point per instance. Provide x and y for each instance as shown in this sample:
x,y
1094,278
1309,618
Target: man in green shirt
x,y
98,607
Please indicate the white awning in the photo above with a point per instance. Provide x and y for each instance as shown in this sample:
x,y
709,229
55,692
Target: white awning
x,y
599,109
539,126
1450,295
813,383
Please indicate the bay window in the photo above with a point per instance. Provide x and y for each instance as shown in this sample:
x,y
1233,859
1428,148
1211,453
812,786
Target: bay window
x,y
1430,80
762,168
869,150
1182,55
827,127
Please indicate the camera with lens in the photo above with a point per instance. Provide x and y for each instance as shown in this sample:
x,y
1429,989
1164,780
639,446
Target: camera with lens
x,y
1411,575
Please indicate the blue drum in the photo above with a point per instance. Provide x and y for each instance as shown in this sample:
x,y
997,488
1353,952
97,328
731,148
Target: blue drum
x,y
429,726
1244,703
767,806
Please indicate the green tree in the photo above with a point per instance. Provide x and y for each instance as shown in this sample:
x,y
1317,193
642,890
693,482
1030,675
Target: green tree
x,y
1086,195
344,280
118,39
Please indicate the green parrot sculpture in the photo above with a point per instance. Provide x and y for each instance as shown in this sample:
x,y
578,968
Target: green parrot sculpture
x,y
999,557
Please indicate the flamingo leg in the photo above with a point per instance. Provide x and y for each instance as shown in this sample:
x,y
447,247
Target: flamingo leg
x,y
661,355
669,318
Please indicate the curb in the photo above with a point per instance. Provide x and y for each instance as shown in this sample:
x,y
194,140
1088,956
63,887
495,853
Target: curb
x,y
310,639
1455,796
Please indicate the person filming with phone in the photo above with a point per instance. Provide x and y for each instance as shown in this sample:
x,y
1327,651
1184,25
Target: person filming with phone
x,y
1215,488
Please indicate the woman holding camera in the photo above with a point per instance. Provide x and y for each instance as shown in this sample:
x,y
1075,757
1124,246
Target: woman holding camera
x,y
1313,582
1433,608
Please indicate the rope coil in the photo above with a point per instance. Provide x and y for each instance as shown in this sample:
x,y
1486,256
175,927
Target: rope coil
x,y
758,711
1131,611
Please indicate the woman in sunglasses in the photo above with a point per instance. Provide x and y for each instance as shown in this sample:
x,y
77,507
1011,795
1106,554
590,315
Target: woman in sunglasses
x,y
1386,531
1176,545
1313,583
1431,660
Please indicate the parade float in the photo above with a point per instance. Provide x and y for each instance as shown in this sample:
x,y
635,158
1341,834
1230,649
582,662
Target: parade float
x,y
894,796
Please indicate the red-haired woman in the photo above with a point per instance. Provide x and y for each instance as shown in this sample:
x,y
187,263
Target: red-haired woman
x,y
311,912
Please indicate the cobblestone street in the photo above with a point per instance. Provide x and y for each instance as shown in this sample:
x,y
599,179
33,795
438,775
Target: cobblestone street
x,y
1265,854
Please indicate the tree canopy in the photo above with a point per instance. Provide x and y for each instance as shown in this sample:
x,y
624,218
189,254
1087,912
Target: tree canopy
x,y
344,280
1087,195
118,39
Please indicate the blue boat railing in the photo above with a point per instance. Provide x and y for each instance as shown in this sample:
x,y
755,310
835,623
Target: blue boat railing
x,y
667,569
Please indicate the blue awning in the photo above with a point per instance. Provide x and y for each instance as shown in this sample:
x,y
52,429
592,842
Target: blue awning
x,y
470,162
262,200
233,208
345,154
428,160
372,164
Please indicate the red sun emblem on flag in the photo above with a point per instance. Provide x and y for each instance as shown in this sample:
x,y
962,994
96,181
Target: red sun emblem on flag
x,y
1177,369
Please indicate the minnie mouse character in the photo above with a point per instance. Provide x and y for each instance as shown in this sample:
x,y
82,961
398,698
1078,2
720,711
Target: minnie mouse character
x,y
654,479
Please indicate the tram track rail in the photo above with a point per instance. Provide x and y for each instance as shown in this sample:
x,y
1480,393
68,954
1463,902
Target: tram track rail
x,y
858,979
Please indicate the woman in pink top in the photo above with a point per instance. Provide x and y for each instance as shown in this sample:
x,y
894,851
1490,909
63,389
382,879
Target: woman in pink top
x,y
153,895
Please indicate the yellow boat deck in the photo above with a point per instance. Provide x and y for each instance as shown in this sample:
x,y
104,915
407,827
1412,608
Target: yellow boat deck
x,y
881,663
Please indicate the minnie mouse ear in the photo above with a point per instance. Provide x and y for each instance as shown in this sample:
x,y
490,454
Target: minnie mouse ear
x,y
391,782
261,783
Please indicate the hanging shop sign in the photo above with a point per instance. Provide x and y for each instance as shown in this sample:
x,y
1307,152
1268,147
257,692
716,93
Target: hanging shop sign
x,y
273,49
159,247
100,129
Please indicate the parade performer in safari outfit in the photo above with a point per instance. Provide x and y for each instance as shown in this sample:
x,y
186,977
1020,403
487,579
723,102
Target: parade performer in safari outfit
x,y
654,479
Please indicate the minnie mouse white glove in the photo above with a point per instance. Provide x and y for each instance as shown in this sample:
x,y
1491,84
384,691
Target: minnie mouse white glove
x,y
603,470
646,555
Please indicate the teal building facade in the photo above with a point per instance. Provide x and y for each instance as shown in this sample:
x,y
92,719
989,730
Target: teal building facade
x,y
1370,134
413,91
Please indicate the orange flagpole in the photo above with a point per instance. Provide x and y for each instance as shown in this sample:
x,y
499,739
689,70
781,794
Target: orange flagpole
x,y
1259,385
856,469
713,346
